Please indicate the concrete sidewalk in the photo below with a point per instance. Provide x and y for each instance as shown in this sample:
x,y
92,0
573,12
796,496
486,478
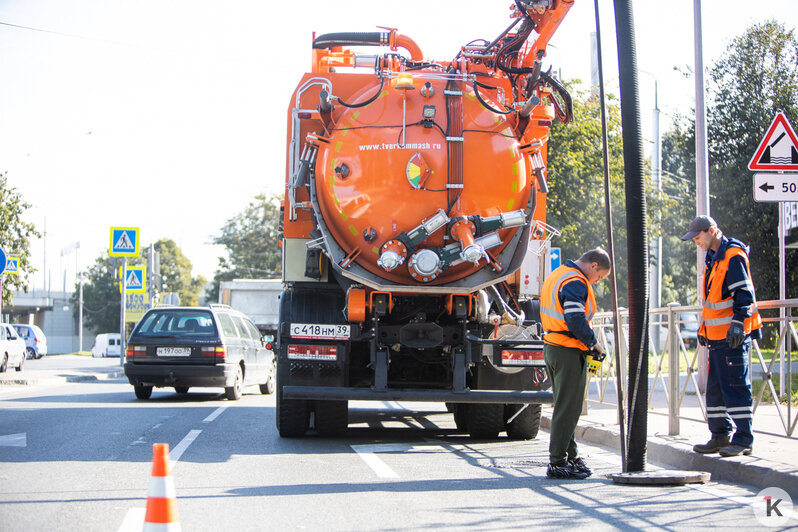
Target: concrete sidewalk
x,y
59,369
773,463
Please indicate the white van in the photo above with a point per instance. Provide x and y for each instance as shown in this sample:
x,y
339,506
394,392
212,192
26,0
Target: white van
x,y
106,345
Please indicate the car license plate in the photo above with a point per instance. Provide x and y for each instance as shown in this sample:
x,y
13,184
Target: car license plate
x,y
173,351
318,331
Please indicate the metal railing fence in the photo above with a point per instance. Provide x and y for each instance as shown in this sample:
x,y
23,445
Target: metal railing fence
x,y
679,363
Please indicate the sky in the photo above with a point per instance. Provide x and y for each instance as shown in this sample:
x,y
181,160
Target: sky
x,y
170,115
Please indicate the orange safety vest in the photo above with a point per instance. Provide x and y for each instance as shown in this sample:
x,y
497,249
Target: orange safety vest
x,y
718,313
551,310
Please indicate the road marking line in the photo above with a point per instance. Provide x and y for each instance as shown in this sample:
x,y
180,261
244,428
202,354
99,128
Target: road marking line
x,y
181,447
14,440
366,452
369,454
216,413
134,520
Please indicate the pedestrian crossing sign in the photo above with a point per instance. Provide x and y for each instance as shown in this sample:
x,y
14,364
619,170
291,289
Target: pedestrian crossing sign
x,y
12,265
124,242
135,280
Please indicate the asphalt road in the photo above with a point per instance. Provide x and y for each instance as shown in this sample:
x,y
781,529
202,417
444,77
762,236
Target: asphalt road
x,y
77,456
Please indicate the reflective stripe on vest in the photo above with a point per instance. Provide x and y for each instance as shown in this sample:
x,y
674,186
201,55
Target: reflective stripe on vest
x,y
553,313
718,313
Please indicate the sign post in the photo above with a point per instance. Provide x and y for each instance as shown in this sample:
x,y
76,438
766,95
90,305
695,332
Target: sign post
x,y
124,244
778,153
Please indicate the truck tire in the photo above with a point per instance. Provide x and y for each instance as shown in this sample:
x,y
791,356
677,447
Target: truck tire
x,y
485,421
460,411
525,426
292,416
332,417
142,392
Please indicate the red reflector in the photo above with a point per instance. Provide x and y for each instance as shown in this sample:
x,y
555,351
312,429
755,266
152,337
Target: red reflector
x,y
532,357
313,352
546,123
304,116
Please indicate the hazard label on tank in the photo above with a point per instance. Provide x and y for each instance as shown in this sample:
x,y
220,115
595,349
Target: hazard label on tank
x,y
318,331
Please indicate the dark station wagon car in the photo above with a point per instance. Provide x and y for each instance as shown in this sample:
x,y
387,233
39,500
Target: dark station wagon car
x,y
213,346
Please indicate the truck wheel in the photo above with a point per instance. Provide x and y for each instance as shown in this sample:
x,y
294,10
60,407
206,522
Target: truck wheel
x,y
292,416
142,392
332,417
460,411
233,393
525,426
485,421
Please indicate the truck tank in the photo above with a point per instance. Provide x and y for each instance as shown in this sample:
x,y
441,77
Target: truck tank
x,y
414,228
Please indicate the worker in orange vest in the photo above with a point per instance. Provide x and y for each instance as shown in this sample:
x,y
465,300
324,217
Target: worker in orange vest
x,y
729,320
567,303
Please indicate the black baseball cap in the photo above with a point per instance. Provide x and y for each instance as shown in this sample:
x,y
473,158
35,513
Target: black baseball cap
x,y
701,223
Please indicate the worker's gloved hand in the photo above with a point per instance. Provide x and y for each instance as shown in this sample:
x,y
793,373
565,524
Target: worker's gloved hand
x,y
702,340
736,334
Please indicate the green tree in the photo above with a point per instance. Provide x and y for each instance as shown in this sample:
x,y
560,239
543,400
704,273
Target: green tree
x,y
15,237
251,241
176,272
101,297
756,77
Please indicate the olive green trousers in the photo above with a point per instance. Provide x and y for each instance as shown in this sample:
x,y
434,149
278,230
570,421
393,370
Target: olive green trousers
x,y
567,372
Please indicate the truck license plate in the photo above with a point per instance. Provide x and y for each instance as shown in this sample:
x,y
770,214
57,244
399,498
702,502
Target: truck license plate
x,y
316,331
173,351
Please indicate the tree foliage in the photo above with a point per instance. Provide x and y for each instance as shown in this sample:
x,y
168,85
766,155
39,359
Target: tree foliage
x,y
576,189
251,241
15,237
101,287
176,272
756,77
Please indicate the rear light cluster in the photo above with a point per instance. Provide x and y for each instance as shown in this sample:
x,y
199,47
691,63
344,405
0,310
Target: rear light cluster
x,y
214,351
522,357
313,352
135,351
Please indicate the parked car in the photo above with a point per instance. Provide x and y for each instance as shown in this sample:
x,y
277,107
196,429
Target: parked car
x,y
213,346
688,328
35,340
107,345
12,348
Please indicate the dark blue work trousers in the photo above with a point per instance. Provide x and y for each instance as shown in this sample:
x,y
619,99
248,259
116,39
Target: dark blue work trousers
x,y
729,392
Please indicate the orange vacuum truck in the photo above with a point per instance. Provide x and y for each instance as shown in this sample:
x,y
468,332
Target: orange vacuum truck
x,y
414,237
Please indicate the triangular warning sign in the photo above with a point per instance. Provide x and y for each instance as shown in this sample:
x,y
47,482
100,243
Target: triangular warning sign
x,y
133,280
779,149
124,242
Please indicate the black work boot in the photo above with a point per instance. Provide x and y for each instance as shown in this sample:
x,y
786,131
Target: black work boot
x,y
715,444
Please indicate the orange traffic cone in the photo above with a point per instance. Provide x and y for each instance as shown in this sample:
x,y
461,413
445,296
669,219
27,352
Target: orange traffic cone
x,y
161,512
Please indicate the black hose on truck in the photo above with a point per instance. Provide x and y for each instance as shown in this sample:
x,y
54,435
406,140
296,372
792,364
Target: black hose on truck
x,y
636,236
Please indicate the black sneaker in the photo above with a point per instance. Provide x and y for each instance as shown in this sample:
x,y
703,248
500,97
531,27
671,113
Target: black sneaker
x,y
579,465
565,471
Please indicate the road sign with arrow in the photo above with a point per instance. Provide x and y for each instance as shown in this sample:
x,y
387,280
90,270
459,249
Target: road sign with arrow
x,y
775,187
